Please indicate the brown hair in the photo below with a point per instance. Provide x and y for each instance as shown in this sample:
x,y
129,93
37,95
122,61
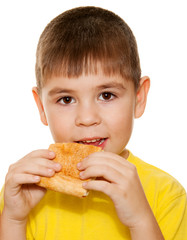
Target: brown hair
x,y
77,40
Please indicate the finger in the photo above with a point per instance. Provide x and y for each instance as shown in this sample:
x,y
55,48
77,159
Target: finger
x,y
14,185
44,169
18,179
108,173
41,153
41,162
112,160
101,186
33,156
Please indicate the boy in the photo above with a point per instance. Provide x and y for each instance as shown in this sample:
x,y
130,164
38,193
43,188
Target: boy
x,y
89,90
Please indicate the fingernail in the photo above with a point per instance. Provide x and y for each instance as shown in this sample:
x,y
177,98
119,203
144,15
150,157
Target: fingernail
x,y
81,175
36,178
50,171
58,166
79,165
52,154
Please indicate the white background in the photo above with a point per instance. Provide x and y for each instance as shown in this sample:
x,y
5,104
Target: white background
x,y
160,28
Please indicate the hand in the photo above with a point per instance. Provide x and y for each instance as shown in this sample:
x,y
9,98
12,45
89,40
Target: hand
x,y
120,182
21,193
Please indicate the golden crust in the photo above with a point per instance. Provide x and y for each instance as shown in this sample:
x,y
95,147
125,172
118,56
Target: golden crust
x,y
67,180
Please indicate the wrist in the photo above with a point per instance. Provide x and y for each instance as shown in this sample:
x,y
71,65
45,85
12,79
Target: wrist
x,y
11,228
6,217
146,229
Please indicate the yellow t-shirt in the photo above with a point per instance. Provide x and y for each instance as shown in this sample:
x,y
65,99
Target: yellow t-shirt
x,y
60,216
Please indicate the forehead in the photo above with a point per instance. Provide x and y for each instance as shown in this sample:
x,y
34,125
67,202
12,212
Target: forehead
x,y
96,72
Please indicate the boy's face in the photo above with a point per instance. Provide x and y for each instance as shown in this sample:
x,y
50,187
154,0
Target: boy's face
x,y
90,109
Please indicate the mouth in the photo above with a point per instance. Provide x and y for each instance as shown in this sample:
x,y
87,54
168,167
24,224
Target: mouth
x,y
98,142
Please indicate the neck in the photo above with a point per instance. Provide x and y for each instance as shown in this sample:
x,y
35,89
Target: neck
x,y
124,153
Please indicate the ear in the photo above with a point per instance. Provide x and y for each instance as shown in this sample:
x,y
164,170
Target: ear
x,y
141,96
39,104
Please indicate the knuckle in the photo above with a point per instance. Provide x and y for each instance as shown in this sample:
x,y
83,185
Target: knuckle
x,y
32,154
7,178
133,171
10,177
14,178
10,167
104,187
132,166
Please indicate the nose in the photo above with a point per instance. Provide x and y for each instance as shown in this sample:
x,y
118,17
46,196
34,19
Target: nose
x,y
87,115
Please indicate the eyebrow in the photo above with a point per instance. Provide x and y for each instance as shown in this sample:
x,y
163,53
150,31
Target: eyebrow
x,y
58,90
111,85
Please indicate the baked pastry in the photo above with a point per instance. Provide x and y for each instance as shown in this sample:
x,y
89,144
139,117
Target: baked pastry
x,y
67,180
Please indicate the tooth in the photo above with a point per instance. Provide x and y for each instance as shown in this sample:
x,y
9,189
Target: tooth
x,y
89,141
101,141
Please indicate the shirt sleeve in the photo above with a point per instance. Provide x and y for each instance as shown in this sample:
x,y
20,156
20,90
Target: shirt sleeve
x,y
173,218
1,200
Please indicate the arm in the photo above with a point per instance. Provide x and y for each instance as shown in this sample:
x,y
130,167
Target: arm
x,y
10,229
21,193
119,179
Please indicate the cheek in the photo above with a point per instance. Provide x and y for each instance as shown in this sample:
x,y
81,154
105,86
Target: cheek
x,y
121,118
122,125
60,126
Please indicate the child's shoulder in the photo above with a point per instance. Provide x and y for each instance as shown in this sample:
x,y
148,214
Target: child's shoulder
x,y
155,179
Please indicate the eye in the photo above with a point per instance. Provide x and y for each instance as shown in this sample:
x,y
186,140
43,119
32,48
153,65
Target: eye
x,y
106,96
66,100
